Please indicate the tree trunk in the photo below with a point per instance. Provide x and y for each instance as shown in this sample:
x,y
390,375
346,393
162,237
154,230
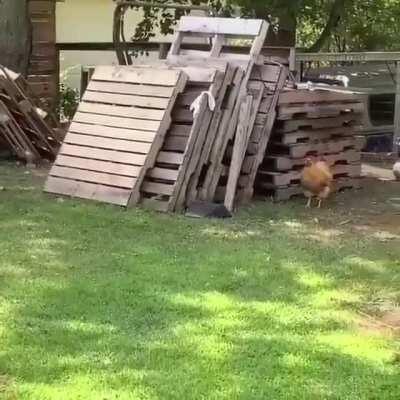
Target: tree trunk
x,y
337,10
15,40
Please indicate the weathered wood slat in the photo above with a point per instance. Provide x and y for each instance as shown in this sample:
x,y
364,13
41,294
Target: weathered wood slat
x,y
164,174
170,158
120,111
126,100
110,132
143,76
123,88
318,110
284,163
349,119
117,122
316,96
107,143
286,192
86,190
93,177
218,26
99,166
157,188
102,155
290,177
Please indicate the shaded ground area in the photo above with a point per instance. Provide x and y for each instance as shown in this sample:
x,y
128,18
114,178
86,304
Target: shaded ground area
x,y
279,302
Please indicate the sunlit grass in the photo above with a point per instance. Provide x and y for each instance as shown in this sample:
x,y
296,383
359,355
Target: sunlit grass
x,y
100,303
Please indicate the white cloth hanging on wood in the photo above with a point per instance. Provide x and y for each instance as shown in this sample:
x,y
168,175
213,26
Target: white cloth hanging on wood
x,y
195,106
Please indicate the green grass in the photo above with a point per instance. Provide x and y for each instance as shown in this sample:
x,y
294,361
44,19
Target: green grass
x,y
99,303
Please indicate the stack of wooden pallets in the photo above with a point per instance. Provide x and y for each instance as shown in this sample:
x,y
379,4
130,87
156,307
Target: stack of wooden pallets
x,y
193,127
29,131
317,123
161,134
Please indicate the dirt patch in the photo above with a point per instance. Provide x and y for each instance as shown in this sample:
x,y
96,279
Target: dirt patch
x,y
7,388
386,324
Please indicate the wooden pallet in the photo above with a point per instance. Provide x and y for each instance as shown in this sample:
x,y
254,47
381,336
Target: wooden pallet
x,y
282,163
306,110
220,31
275,77
313,135
15,137
286,193
116,134
165,187
27,115
295,97
349,119
319,148
294,177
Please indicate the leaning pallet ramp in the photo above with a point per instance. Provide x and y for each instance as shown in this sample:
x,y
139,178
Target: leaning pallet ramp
x,y
116,134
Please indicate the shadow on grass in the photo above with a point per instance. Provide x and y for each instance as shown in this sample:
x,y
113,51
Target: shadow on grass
x,y
104,302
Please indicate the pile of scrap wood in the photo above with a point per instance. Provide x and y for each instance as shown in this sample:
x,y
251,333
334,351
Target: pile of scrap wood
x,y
27,127
168,133
318,123
193,127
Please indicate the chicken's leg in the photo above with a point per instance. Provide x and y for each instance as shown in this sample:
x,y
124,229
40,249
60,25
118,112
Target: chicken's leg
x,y
308,205
319,203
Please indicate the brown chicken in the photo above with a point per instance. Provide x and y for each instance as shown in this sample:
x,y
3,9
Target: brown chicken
x,y
316,180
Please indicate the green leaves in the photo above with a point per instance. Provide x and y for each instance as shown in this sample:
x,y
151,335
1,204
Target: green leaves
x,y
330,25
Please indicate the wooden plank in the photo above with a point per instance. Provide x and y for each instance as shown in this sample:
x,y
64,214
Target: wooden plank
x,y
293,177
143,76
315,96
133,89
170,158
217,26
94,177
157,188
163,173
318,110
334,146
106,143
239,149
102,155
121,111
319,123
126,100
217,45
117,122
175,143
99,166
314,135
286,192
282,163
110,132
180,130
86,190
